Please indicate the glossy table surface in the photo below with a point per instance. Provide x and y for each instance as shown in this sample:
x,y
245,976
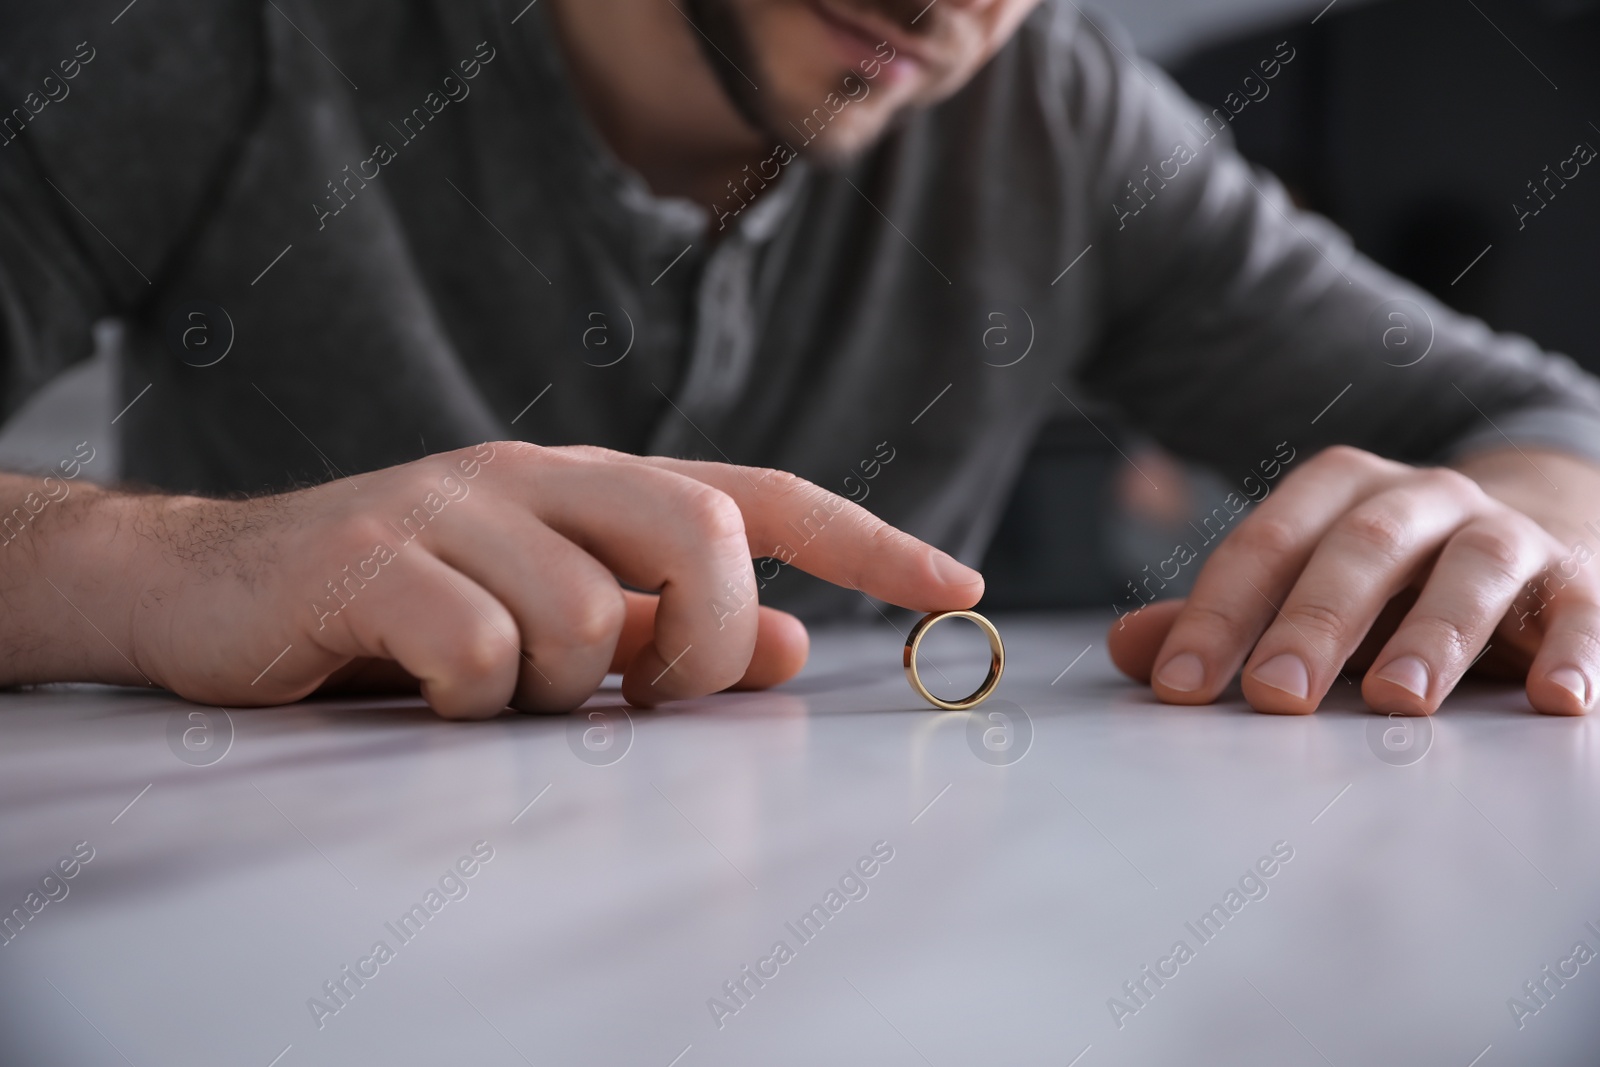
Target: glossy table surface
x,y
948,888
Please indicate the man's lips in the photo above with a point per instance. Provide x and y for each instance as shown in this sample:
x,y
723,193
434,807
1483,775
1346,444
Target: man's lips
x,y
869,29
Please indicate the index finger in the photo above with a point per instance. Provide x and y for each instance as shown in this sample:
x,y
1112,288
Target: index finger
x,y
802,524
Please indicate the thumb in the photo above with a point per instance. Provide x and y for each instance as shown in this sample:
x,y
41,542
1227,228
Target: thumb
x,y
782,643
1135,639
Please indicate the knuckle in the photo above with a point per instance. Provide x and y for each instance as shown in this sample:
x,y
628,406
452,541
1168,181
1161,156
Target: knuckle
x,y
1346,457
1264,536
1379,528
1317,619
1453,482
422,478
888,539
519,451
361,532
585,453
1503,546
593,617
1442,632
780,483
792,491
443,476
410,513
479,649
1347,463
713,514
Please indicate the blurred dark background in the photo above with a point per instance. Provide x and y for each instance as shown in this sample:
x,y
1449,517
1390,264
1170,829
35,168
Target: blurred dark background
x,y
1413,124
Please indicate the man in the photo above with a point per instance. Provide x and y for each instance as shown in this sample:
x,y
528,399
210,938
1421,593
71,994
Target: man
x,y
768,233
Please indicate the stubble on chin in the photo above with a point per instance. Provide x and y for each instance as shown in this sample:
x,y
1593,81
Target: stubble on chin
x,y
726,48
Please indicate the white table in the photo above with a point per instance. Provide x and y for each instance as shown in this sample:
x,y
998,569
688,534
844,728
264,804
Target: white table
x,y
1023,891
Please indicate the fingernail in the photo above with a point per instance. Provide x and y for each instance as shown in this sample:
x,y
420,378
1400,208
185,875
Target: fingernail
x,y
952,571
1286,672
1183,672
1409,673
1573,681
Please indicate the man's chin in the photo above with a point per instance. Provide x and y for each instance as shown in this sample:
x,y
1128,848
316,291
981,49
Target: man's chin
x,y
836,153
838,144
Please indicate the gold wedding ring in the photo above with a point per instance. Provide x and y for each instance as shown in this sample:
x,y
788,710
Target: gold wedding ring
x,y
997,662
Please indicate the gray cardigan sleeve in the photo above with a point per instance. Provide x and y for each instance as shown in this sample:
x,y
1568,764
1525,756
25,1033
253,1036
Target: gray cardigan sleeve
x,y
1235,320
50,294
109,161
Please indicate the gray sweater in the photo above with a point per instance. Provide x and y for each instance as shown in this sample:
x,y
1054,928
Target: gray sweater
x,y
338,231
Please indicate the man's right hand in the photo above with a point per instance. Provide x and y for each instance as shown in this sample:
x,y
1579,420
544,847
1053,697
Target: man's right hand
x,y
490,576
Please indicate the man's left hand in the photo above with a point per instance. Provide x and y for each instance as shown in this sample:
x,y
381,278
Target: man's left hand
x,y
1413,575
